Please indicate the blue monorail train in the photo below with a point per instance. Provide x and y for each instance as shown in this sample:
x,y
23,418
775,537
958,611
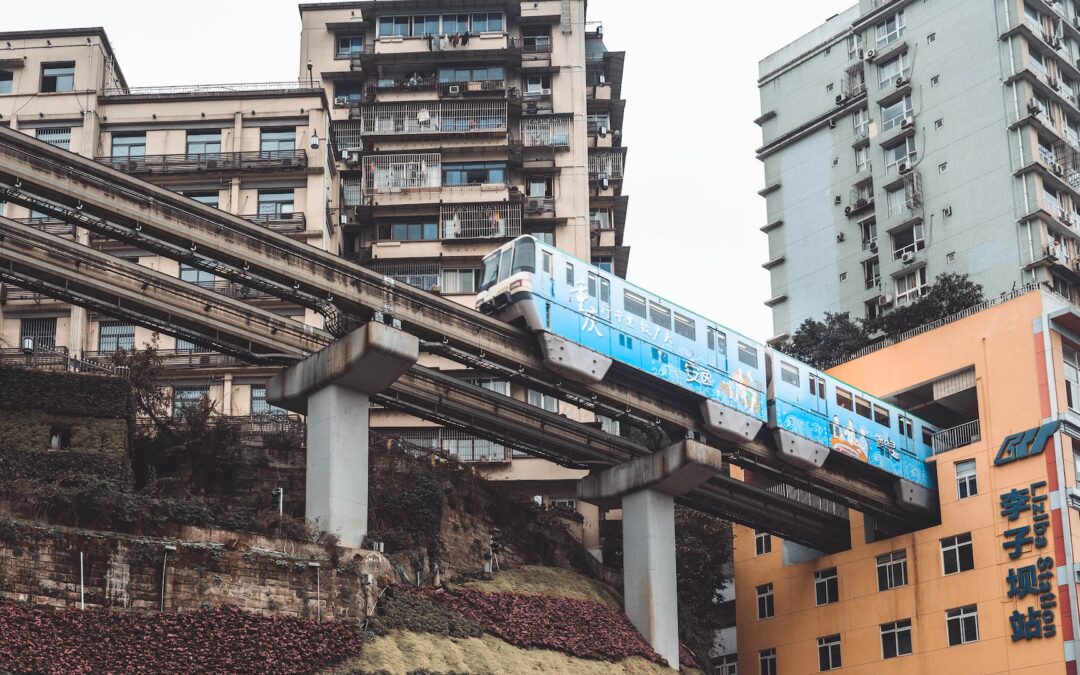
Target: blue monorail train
x,y
742,383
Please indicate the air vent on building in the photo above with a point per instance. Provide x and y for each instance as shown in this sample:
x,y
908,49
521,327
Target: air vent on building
x,y
954,383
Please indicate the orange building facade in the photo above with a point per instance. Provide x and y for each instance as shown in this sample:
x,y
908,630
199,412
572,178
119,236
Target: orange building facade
x,y
993,587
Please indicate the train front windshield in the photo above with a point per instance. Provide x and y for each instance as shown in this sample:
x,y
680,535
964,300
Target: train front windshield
x,y
501,264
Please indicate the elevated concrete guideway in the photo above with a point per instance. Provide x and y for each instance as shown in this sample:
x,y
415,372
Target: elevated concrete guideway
x,y
117,206
62,269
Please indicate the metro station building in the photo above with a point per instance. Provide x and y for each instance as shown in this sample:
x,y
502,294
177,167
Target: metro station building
x,y
993,587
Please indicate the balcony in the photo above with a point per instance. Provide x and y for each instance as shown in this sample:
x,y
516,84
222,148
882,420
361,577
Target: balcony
x,y
212,162
957,437
279,222
231,90
468,222
46,224
477,88
434,119
541,132
606,163
174,359
420,50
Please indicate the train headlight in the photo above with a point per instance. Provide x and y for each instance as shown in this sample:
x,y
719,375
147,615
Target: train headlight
x,y
514,285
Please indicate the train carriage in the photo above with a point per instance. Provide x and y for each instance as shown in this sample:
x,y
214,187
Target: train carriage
x,y
586,318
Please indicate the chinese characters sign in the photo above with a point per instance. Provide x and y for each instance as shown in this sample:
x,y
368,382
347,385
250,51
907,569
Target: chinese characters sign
x,y
1035,580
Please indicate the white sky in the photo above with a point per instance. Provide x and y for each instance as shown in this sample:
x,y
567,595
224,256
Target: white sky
x,y
691,97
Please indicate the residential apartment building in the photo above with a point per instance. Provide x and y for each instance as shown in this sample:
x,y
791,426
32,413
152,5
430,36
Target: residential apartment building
x,y
903,140
412,140
993,587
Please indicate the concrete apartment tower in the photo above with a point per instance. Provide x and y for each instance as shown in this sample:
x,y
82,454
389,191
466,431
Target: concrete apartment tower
x,y
903,140
413,139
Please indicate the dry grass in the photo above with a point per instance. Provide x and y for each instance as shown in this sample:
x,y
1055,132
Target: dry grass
x,y
401,652
551,581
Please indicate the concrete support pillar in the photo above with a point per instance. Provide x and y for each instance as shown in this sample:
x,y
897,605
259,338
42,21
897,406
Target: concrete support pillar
x,y
337,462
333,387
649,583
646,488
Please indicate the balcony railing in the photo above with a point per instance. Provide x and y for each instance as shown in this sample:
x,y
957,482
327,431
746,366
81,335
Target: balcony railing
x,y
957,437
50,225
545,132
446,117
204,89
230,289
42,358
279,222
254,160
605,163
910,248
480,221
173,358
399,173
477,88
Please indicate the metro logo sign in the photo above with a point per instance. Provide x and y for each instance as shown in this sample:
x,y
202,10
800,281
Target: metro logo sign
x,y
1025,443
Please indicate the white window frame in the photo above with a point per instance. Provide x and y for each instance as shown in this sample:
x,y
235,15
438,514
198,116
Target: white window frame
x,y
1071,359
905,108
910,287
762,543
542,400
895,200
828,643
728,665
766,602
953,549
892,631
887,73
862,158
860,122
822,579
892,561
890,30
767,661
901,153
959,614
966,479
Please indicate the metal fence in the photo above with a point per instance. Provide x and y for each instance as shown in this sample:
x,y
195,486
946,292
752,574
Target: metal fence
x,y
607,163
447,117
279,222
808,498
545,131
456,443
202,89
957,437
395,173
480,221
201,162
347,136
56,359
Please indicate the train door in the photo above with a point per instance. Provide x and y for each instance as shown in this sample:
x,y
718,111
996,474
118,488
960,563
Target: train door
x,y
716,341
604,305
816,400
546,286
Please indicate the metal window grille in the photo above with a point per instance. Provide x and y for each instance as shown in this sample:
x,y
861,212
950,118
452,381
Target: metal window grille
x,y
185,398
58,136
594,122
444,118
394,173
115,335
421,275
460,444
347,136
350,190
545,131
595,71
480,221
607,163
259,404
41,331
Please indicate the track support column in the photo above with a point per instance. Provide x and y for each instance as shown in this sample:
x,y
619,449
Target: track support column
x,y
333,388
646,488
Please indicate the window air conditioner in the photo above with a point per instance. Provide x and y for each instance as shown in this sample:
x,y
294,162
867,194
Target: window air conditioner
x,y
873,247
884,300
870,54
453,90
1033,107
840,99
908,257
901,81
907,122
341,101
1059,170
603,78
602,131
903,167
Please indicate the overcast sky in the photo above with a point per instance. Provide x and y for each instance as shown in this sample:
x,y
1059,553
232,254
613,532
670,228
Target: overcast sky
x,y
691,97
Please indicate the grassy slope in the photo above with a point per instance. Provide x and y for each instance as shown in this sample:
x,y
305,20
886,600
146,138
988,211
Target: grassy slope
x,y
403,651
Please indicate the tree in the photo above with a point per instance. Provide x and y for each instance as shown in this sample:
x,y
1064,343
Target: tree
x,y
703,568
950,293
823,343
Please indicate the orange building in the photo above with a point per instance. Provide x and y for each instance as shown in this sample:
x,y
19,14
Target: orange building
x,y
993,587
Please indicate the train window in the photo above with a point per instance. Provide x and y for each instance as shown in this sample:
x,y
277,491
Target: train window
x,y
717,340
504,264
817,386
491,271
789,373
881,415
660,315
634,304
905,426
605,291
626,341
862,407
843,399
592,285
685,327
525,256
748,355
659,355
570,273
546,256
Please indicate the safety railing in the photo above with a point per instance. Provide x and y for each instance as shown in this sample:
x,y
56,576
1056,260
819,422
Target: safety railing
x,y
545,132
957,437
203,89
58,358
279,222
607,163
173,358
480,221
50,225
396,173
808,498
478,87
447,117
203,162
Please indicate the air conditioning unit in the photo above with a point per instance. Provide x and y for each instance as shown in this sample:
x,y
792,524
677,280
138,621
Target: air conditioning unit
x,y
884,300
904,167
840,237
847,210
901,81
1033,107
602,131
907,122
545,92
839,99
908,257
453,90
1053,83
344,155
870,54
832,123
1058,169
873,247
341,101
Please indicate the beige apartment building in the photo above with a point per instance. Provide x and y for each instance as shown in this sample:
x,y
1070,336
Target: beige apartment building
x,y
413,140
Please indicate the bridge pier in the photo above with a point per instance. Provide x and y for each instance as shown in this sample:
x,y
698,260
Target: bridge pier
x,y
333,387
646,488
